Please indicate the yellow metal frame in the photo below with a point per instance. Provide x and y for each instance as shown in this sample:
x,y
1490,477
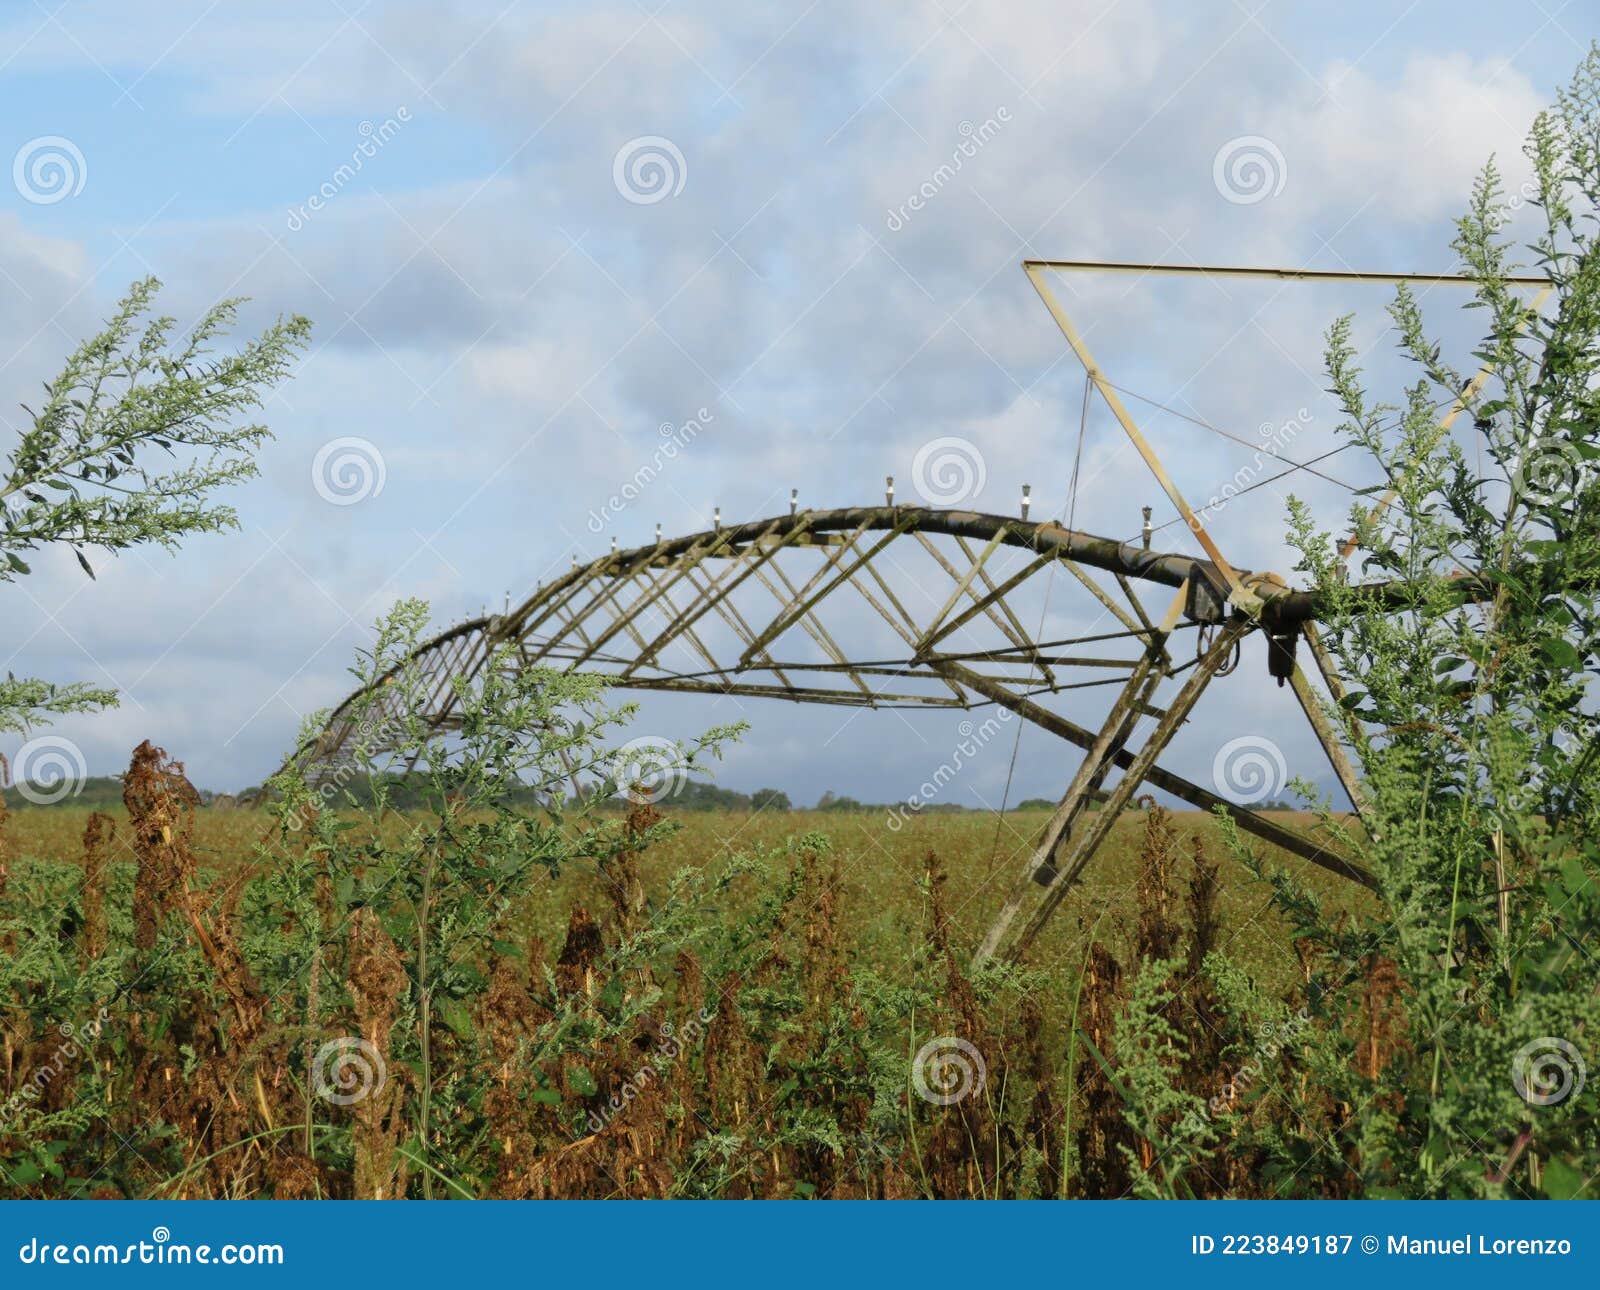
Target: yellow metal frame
x,y
1240,595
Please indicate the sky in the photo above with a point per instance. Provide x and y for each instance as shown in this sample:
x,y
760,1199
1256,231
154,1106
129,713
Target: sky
x,y
531,234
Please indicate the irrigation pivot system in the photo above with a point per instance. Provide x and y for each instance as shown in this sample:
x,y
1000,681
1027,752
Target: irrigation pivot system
x,y
774,609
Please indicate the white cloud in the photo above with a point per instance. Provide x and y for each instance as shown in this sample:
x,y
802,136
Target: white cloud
x,y
1414,144
511,337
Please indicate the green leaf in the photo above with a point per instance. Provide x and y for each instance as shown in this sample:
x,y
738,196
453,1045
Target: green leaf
x,y
1562,1181
455,1014
1561,653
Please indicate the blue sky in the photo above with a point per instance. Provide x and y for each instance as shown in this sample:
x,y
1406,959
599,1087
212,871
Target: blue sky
x,y
508,330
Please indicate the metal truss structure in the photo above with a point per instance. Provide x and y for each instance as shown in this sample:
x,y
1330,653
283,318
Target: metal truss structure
x,y
907,606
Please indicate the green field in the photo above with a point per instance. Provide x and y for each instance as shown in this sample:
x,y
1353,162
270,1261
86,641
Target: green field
x,y
882,911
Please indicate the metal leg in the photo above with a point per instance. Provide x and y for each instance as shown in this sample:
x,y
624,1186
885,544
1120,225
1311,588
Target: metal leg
x,y
1007,938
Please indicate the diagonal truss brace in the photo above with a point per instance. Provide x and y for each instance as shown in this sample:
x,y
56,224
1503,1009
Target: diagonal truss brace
x,y
1011,933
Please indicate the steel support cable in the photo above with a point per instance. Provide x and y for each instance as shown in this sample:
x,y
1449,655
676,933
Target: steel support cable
x,y
1292,464
1179,670
1044,610
1228,434
1260,483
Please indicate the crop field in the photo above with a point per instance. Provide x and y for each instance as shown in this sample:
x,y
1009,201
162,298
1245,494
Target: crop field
x,y
883,909
722,1003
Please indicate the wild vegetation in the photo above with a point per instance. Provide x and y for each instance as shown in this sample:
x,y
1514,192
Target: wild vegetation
x,y
656,1006
128,448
